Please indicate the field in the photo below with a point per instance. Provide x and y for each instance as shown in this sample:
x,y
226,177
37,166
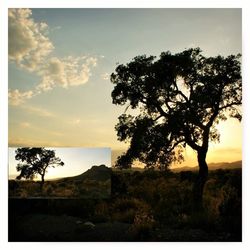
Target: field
x,y
144,206
94,183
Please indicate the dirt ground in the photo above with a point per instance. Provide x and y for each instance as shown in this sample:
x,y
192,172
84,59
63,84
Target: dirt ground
x,y
42,228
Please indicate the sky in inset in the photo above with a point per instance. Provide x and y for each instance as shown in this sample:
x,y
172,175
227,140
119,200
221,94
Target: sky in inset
x,y
60,61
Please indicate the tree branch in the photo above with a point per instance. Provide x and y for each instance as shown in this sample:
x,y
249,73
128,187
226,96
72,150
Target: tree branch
x,y
230,105
180,92
157,118
126,108
175,144
190,142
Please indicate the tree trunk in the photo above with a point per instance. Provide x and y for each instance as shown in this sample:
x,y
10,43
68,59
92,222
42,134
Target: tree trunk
x,y
42,182
201,180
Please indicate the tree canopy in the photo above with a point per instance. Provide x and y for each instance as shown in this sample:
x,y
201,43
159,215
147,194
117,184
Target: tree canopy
x,y
35,161
180,98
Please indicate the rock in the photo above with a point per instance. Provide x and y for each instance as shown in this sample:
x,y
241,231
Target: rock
x,y
89,224
78,222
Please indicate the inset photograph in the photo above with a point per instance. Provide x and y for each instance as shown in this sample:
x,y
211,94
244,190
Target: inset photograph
x,y
59,172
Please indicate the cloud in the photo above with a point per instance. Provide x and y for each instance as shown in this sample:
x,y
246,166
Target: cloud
x,y
75,122
30,49
28,41
66,72
55,133
105,76
22,142
56,28
25,125
91,61
228,151
38,111
16,97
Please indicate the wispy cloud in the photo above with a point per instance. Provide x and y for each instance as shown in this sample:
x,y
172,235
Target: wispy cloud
x,y
105,76
228,151
30,48
55,133
44,130
22,142
38,111
75,121
56,28
17,97
25,124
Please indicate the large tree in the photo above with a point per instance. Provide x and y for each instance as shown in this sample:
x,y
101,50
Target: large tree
x,y
35,161
178,100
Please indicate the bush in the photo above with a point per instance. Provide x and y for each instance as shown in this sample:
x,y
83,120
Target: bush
x,y
101,213
125,209
142,225
231,210
48,190
13,185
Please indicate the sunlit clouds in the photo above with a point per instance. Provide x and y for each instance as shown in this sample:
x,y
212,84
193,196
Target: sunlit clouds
x,y
25,142
16,97
30,49
28,41
75,122
37,111
66,72
105,76
25,124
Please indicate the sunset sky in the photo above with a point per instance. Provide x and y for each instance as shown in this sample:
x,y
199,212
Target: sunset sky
x,y
76,161
60,61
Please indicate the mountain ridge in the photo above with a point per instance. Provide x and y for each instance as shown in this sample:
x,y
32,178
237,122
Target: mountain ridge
x,y
98,173
212,166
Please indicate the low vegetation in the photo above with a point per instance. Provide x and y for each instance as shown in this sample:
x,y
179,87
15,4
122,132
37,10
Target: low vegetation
x,y
95,183
149,206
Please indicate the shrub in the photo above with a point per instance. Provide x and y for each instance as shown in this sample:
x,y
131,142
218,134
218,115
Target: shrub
x,y
142,225
231,203
125,209
101,213
48,191
200,220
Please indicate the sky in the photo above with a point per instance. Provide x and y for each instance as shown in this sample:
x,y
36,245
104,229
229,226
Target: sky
x,y
76,161
60,61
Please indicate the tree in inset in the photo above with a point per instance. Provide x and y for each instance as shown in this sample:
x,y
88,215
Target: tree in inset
x,y
179,99
35,161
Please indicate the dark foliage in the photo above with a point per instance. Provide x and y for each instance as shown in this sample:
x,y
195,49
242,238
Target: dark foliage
x,y
180,98
35,161
152,208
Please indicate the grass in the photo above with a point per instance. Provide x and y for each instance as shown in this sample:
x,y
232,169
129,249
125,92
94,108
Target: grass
x,y
63,189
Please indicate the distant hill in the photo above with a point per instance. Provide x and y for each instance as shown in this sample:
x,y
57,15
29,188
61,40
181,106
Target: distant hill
x,y
212,166
97,173
133,169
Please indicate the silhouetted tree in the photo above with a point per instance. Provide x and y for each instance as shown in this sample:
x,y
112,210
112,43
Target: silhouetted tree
x,y
35,161
179,98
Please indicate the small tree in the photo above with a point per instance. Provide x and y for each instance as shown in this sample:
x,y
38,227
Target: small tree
x,y
35,161
179,99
